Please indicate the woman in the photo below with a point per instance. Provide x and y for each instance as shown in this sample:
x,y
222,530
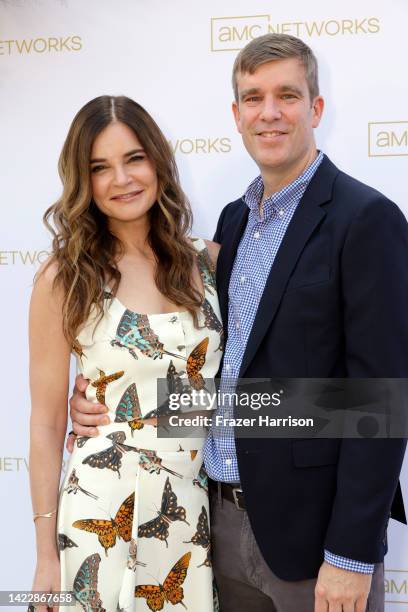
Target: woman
x,y
132,520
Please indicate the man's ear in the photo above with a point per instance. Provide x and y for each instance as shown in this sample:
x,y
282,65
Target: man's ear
x,y
237,115
317,108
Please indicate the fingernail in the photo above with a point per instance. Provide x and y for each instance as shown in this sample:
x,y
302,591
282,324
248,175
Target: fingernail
x,y
105,420
94,432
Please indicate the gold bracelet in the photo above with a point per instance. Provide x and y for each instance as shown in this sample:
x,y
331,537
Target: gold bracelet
x,y
46,515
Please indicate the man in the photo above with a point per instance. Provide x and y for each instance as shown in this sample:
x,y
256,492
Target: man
x,y
313,282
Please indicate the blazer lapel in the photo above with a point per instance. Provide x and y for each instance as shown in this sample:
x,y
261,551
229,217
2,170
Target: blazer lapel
x,y
234,229
305,219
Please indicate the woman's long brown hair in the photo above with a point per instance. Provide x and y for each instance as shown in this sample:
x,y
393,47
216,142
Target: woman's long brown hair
x,y
83,248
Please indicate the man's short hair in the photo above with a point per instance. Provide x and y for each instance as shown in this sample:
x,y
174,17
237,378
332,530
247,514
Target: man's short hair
x,y
272,47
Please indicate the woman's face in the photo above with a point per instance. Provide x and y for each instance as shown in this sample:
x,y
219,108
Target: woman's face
x,y
124,181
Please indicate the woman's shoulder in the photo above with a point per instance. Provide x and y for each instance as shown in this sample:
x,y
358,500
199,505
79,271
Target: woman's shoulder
x,y
46,293
47,299
44,279
47,271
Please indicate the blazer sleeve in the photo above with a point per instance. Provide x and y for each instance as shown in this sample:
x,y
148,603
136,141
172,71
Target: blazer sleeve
x,y
375,300
219,231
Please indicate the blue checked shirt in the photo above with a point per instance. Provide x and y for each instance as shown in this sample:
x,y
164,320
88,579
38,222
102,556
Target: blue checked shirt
x,y
256,253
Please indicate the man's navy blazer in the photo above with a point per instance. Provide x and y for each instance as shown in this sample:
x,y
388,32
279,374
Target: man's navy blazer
x,y
335,305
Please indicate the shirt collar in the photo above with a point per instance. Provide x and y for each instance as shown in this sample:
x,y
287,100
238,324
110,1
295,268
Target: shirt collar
x,y
284,199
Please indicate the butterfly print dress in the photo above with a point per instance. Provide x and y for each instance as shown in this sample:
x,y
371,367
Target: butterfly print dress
x,y
133,530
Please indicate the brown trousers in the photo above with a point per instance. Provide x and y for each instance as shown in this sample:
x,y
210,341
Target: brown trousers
x,y
244,580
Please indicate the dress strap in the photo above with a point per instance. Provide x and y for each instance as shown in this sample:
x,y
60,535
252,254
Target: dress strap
x,y
205,265
198,243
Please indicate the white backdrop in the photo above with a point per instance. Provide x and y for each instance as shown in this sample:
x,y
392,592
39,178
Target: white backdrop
x,y
174,58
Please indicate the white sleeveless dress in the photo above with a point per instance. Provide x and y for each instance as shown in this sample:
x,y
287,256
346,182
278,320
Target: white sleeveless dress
x,y
133,518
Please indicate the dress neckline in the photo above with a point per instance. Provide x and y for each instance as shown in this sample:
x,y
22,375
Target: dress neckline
x,y
178,313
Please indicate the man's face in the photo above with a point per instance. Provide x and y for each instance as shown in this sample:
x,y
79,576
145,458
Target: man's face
x,y
276,116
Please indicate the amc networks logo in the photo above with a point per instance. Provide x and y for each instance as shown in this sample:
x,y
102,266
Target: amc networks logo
x,y
188,146
20,464
13,464
388,138
233,33
39,45
12,258
396,586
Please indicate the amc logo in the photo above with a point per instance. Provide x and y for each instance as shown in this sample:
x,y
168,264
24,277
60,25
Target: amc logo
x,y
233,33
396,586
387,138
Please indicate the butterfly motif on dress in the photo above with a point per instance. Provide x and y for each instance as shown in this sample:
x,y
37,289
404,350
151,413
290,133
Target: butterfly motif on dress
x,y
134,331
169,512
77,348
152,463
174,381
207,270
174,386
82,440
111,457
170,591
103,381
133,561
202,536
108,530
211,321
73,486
195,363
202,479
128,409
86,585
65,542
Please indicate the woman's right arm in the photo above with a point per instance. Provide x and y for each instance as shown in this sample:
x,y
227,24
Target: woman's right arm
x,y
49,381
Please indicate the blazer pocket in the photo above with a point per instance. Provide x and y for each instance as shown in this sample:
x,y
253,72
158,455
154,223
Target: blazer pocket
x,y
315,453
320,275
